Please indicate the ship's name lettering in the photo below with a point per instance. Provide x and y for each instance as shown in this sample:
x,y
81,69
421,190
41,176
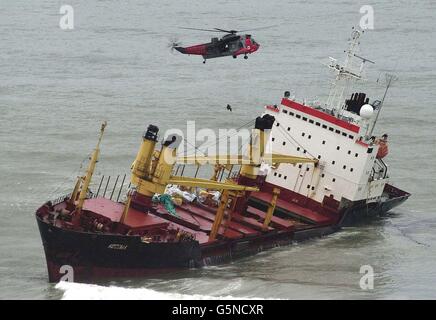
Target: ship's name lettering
x,y
117,246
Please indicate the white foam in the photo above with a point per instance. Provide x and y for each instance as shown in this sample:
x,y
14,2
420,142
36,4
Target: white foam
x,y
82,291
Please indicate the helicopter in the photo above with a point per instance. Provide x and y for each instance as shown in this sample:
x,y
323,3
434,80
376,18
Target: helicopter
x,y
231,44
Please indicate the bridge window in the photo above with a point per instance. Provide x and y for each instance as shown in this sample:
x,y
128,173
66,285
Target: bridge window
x,y
304,119
344,134
291,113
324,126
298,116
337,131
350,136
331,129
311,121
285,111
317,124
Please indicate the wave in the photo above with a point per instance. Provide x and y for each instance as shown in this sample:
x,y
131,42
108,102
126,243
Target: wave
x,y
82,291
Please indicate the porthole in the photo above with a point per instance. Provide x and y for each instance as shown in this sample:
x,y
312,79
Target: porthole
x,y
334,179
299,166
309,136
298,148
338,148
304,151
285,177
333,162
303,134
275,174
277,124
307,168
351,169
308,186
323,175
289,128
319,157
349,151
356,155
280,175
313,188
323,142
344,167
284,143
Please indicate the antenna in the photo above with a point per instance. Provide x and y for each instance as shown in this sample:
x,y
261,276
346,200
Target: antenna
x,y
390,78
346,73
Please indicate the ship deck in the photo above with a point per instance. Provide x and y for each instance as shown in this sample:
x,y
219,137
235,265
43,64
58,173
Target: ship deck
x,y
193,218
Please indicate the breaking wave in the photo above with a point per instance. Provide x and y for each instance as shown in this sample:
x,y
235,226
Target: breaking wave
x,y
81,291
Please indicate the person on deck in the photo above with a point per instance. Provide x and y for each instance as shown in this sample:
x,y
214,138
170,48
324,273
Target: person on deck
x,y
383,146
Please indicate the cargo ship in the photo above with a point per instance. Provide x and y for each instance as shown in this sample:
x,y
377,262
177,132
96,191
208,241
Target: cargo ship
x,y
308,170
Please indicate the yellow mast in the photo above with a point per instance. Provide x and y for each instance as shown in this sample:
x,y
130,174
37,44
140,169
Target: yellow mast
x,y
89,172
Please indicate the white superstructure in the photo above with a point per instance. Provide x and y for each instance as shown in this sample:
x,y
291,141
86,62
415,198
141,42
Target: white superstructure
x,y
336,133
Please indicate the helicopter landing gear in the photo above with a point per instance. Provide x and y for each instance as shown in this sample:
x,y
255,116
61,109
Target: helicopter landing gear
x,y
245,57
234,57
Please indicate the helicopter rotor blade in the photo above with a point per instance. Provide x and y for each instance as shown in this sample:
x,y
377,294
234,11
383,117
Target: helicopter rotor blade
x,y
260,28
226,31
198,29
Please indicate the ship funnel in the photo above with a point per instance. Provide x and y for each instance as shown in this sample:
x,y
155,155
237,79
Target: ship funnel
x,y
151,133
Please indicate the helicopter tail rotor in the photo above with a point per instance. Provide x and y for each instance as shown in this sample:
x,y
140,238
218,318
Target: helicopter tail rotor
x,y
175,44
